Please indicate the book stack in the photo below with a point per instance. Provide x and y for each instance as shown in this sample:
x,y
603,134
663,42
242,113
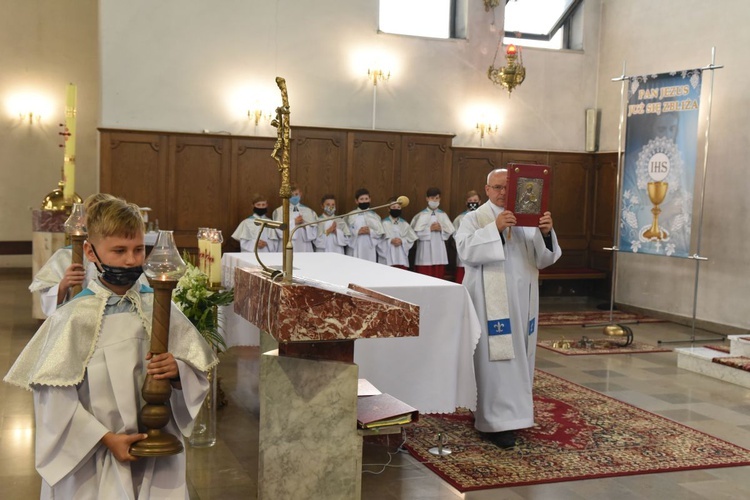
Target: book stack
x,y
376,409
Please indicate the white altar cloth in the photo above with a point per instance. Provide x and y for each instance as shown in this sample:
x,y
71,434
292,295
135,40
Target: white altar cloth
x,y
433,372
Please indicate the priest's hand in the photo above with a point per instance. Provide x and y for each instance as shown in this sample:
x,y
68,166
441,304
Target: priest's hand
x,y
545,223
505,219
162,366
119,445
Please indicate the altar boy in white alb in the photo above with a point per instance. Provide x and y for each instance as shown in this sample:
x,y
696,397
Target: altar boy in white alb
x,y
502,264
333,235
247,232
302,240
86,365
433,228
366,228
398,240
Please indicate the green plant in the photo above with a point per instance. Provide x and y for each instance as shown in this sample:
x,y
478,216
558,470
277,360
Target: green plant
x,y
199,303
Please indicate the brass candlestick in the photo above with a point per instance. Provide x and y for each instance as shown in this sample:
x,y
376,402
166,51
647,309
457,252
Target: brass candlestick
x,y
163,268
657,191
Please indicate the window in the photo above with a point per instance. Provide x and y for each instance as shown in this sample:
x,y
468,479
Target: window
x,y
426,18
553,24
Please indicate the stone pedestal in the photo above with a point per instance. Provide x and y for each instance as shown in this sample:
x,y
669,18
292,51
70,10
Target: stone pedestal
x,y
309,445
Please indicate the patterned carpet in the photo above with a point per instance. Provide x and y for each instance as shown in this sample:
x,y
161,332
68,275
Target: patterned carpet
x,y
634,348
580,434
591,318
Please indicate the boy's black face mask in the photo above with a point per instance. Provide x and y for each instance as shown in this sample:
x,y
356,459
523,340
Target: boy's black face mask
x,y
117,276
472,205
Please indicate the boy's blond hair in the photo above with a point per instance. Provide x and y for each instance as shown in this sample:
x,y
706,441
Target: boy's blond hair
x,y
111,216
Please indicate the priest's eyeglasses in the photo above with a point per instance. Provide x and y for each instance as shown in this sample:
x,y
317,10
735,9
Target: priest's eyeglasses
x,y
499,187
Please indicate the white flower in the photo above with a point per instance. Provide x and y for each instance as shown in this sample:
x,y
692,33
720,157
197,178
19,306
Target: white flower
x,y
635,245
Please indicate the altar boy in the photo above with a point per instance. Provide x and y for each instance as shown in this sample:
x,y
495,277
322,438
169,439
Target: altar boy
x,y
398,240
247,232
366,228
86,366
333,235
302,240
433,227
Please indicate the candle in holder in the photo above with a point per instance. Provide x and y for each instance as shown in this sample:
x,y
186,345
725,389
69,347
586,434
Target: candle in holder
x,y
163,268
75,228
214,270
202,248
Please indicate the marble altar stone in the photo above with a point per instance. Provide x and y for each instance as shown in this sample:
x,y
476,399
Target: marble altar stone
x,y
308,310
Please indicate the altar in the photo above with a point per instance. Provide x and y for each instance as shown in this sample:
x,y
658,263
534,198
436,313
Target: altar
x,y
433,372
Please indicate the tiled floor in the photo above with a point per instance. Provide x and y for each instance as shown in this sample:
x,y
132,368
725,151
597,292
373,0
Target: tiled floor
x,y
229,469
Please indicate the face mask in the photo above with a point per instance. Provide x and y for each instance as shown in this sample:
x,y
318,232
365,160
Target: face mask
x,y
294,200
433,204
118,276
472,205
395,213
363,206
259,211
329,211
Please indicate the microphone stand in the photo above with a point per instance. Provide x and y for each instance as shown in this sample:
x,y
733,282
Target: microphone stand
x,y
288,251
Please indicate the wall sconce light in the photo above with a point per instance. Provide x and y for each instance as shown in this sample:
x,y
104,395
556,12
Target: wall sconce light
x,y
378,75
29,107
485,128
513,73
256,115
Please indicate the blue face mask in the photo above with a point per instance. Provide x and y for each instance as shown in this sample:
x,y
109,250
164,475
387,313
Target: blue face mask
x,y
294,200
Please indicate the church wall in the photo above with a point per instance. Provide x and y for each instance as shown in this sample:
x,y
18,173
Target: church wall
x,y
45,45
655,37
176,65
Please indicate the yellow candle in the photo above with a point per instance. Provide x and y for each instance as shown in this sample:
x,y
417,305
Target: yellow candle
x,y
202,249
214,275
69,164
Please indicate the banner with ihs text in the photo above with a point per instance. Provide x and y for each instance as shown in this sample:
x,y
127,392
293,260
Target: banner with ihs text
x,y
659,171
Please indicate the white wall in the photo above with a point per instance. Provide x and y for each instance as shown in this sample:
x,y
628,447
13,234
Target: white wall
x,y
45,45
654,37
172,65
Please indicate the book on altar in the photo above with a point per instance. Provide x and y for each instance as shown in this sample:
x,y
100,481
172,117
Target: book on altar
x,y
382,410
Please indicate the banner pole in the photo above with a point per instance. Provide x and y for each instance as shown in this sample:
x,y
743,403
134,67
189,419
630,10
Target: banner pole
x,y
697,256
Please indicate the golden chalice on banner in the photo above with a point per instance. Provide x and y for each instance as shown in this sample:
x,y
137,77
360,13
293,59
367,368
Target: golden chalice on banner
x,y
657,191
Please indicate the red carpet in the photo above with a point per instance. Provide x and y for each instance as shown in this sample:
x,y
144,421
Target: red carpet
x,y
580,434
634,348
591,318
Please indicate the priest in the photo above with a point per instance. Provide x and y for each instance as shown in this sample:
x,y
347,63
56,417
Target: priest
x,y
502,275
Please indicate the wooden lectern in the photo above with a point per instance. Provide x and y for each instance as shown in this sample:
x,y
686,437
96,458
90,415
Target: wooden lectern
x,y
309,443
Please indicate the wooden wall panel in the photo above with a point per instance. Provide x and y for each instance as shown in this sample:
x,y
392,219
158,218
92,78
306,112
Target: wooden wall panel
x,y
319,166
373,158
570,206
470,169
425,163
604,200
136,157
199,175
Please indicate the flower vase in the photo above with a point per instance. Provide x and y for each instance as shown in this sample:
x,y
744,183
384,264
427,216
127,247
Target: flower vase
x,y
204,427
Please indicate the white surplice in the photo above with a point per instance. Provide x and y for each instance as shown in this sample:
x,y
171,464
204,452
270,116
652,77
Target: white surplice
x,y
431,249
389,254
504,387
302,241
364,246
457,224
337,240
247,233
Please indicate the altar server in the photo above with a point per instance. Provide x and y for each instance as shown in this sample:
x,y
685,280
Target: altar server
x,y
299,214
433,228
86,366
247,232
398,240
58,275
472,203
366,228
502,277
333,235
